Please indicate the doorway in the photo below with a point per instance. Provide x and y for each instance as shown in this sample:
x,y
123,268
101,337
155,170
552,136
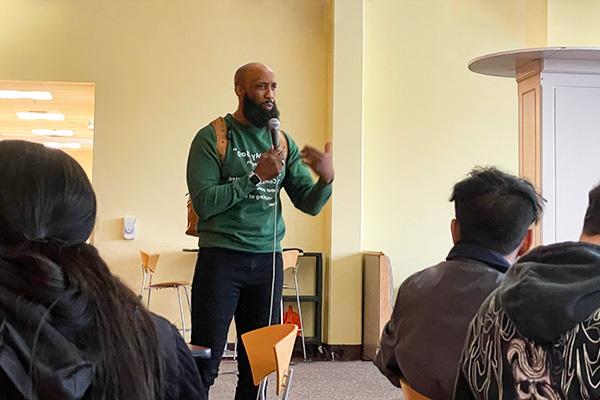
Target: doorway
x,y
56,114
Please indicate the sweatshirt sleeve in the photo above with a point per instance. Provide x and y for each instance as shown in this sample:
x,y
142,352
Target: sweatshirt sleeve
x,y
385,359
190,384
182,380
210,195
306,195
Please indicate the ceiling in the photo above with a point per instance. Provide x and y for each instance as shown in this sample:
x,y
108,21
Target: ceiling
x,y
74,100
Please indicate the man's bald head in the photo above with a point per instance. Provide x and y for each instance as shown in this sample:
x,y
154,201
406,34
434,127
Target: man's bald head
x,y
248,71
255,87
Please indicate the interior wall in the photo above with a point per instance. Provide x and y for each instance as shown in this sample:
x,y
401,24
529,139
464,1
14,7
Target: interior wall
x,y
163,70
573,23
429,120
344,283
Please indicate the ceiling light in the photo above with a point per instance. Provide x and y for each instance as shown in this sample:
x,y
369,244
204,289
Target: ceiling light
x,y
56,145
52,132
34,115
21,94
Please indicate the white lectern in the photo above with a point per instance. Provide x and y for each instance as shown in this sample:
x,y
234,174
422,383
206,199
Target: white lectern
x,y
559,128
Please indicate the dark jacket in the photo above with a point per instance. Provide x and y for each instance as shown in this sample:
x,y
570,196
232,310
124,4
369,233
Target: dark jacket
x,y
538,335
35,341
181,373
423,340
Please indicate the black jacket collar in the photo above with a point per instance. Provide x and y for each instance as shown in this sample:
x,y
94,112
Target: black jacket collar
x,y
479,253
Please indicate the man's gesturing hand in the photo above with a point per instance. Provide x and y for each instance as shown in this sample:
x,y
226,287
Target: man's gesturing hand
x,y
320,162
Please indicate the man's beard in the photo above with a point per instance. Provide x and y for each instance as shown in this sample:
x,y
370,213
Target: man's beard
x,y
257,114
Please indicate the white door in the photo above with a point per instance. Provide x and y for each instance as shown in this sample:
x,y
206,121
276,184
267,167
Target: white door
x,y
570,151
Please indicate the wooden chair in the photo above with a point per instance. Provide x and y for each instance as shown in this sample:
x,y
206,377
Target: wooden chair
x,y
410,393
149,264
290,261
269,350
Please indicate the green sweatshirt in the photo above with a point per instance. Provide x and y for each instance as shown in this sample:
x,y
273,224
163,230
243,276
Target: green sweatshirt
x,y
234,213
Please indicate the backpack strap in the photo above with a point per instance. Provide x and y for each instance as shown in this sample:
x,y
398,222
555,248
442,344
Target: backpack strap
x,y
283,143
221,138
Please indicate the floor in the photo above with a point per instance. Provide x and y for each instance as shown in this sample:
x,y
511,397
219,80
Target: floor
x,y
339,380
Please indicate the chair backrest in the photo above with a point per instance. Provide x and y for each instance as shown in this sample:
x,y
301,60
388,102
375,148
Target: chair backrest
x,y
149,262
290,258
269,349
410,393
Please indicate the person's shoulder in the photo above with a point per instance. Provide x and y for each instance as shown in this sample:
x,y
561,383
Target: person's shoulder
x,y
288,138
164,329
425,275
421,281
205,136
170,341
204,133
447,274
287,134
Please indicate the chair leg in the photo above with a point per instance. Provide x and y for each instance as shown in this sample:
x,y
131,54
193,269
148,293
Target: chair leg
x,y
148,302
262,390
142,286
235,348
287,383
181,312
300,314
187,297
233,353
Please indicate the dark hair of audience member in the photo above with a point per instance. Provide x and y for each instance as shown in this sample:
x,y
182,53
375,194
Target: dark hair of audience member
x,y
47,212
495,209
591,222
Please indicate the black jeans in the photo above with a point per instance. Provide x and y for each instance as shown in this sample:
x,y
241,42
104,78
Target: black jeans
x,y
230,283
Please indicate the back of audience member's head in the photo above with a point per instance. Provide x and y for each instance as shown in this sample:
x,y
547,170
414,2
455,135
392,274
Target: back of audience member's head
x,y
47,212
495,209
591,222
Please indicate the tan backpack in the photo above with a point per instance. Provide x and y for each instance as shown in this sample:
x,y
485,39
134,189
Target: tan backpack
x,y
222,141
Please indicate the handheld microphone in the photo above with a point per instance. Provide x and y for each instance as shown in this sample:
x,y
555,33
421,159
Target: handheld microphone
x,y
274,129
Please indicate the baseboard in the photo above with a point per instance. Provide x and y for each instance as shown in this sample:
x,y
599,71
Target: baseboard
x,y
322,352
338,352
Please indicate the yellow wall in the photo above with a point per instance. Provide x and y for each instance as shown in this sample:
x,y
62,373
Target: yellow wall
x,y
535,13
344,278
163,69
573,23
429,120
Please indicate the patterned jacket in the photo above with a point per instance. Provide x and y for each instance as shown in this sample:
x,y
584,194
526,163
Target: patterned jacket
x,y
538,335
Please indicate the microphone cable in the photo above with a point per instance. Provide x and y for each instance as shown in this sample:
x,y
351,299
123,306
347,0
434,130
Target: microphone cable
x,y
274,255
273,125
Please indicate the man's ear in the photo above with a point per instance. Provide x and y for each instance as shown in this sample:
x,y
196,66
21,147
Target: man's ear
x,y
526,243
455,231
239,91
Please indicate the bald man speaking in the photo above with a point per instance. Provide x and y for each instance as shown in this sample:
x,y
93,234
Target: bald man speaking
x,y
234,176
